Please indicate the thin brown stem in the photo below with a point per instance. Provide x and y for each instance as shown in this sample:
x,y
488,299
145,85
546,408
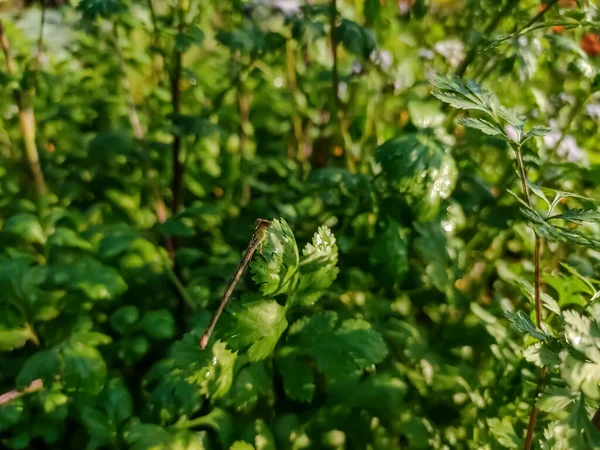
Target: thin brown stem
x,y
9,396
537,304
177,163
534,409
26,121
138,132
255,242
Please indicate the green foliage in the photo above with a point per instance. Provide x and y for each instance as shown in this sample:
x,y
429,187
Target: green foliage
x,y
391,303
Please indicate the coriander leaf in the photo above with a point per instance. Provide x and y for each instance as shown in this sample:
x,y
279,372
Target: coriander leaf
x,y
276,268
352,346
254,324
45,365
298,380
389,254
523,323
318,267
84,368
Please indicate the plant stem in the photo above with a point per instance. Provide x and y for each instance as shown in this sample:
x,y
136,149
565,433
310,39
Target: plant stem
x,y
177,181
537,303
255,242
26,121
472,53
338,111
9,396
159,204
178,286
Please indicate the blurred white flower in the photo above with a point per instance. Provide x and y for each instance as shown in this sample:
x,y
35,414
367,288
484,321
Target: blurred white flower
x,y
593,110
404,6
287,7
453,50
512,133
425,53
567,148
382,58
356,67
342,89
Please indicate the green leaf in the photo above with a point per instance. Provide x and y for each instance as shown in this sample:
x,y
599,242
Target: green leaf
x,y
142,436
355,39
482,125
103,8
389,254
27,227
352,346
298,379
64,237
158,324
191,36
241,445
579,216
418,166
84,368
255,325
472,96
124,318
11,339
318,267
210,369
96,280
523,323
276,269
504,432
44,364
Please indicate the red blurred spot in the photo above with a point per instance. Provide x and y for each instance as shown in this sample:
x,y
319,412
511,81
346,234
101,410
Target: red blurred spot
x,y
590,43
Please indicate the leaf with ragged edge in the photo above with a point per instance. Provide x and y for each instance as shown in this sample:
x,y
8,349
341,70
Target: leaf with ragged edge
x,y
504,432
579,216
431,246
84,368
169,392
482,125
318,267
20,286
103,415
523,323
355,39
192,35
91,9
528,290
352,346
254,324
555,399
13,338
275,267
45,365
472,96
64,237
210,369
582,433
142,436
158,324
27,227
96,280
251,383
298,379
389,254
418,165
241,445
